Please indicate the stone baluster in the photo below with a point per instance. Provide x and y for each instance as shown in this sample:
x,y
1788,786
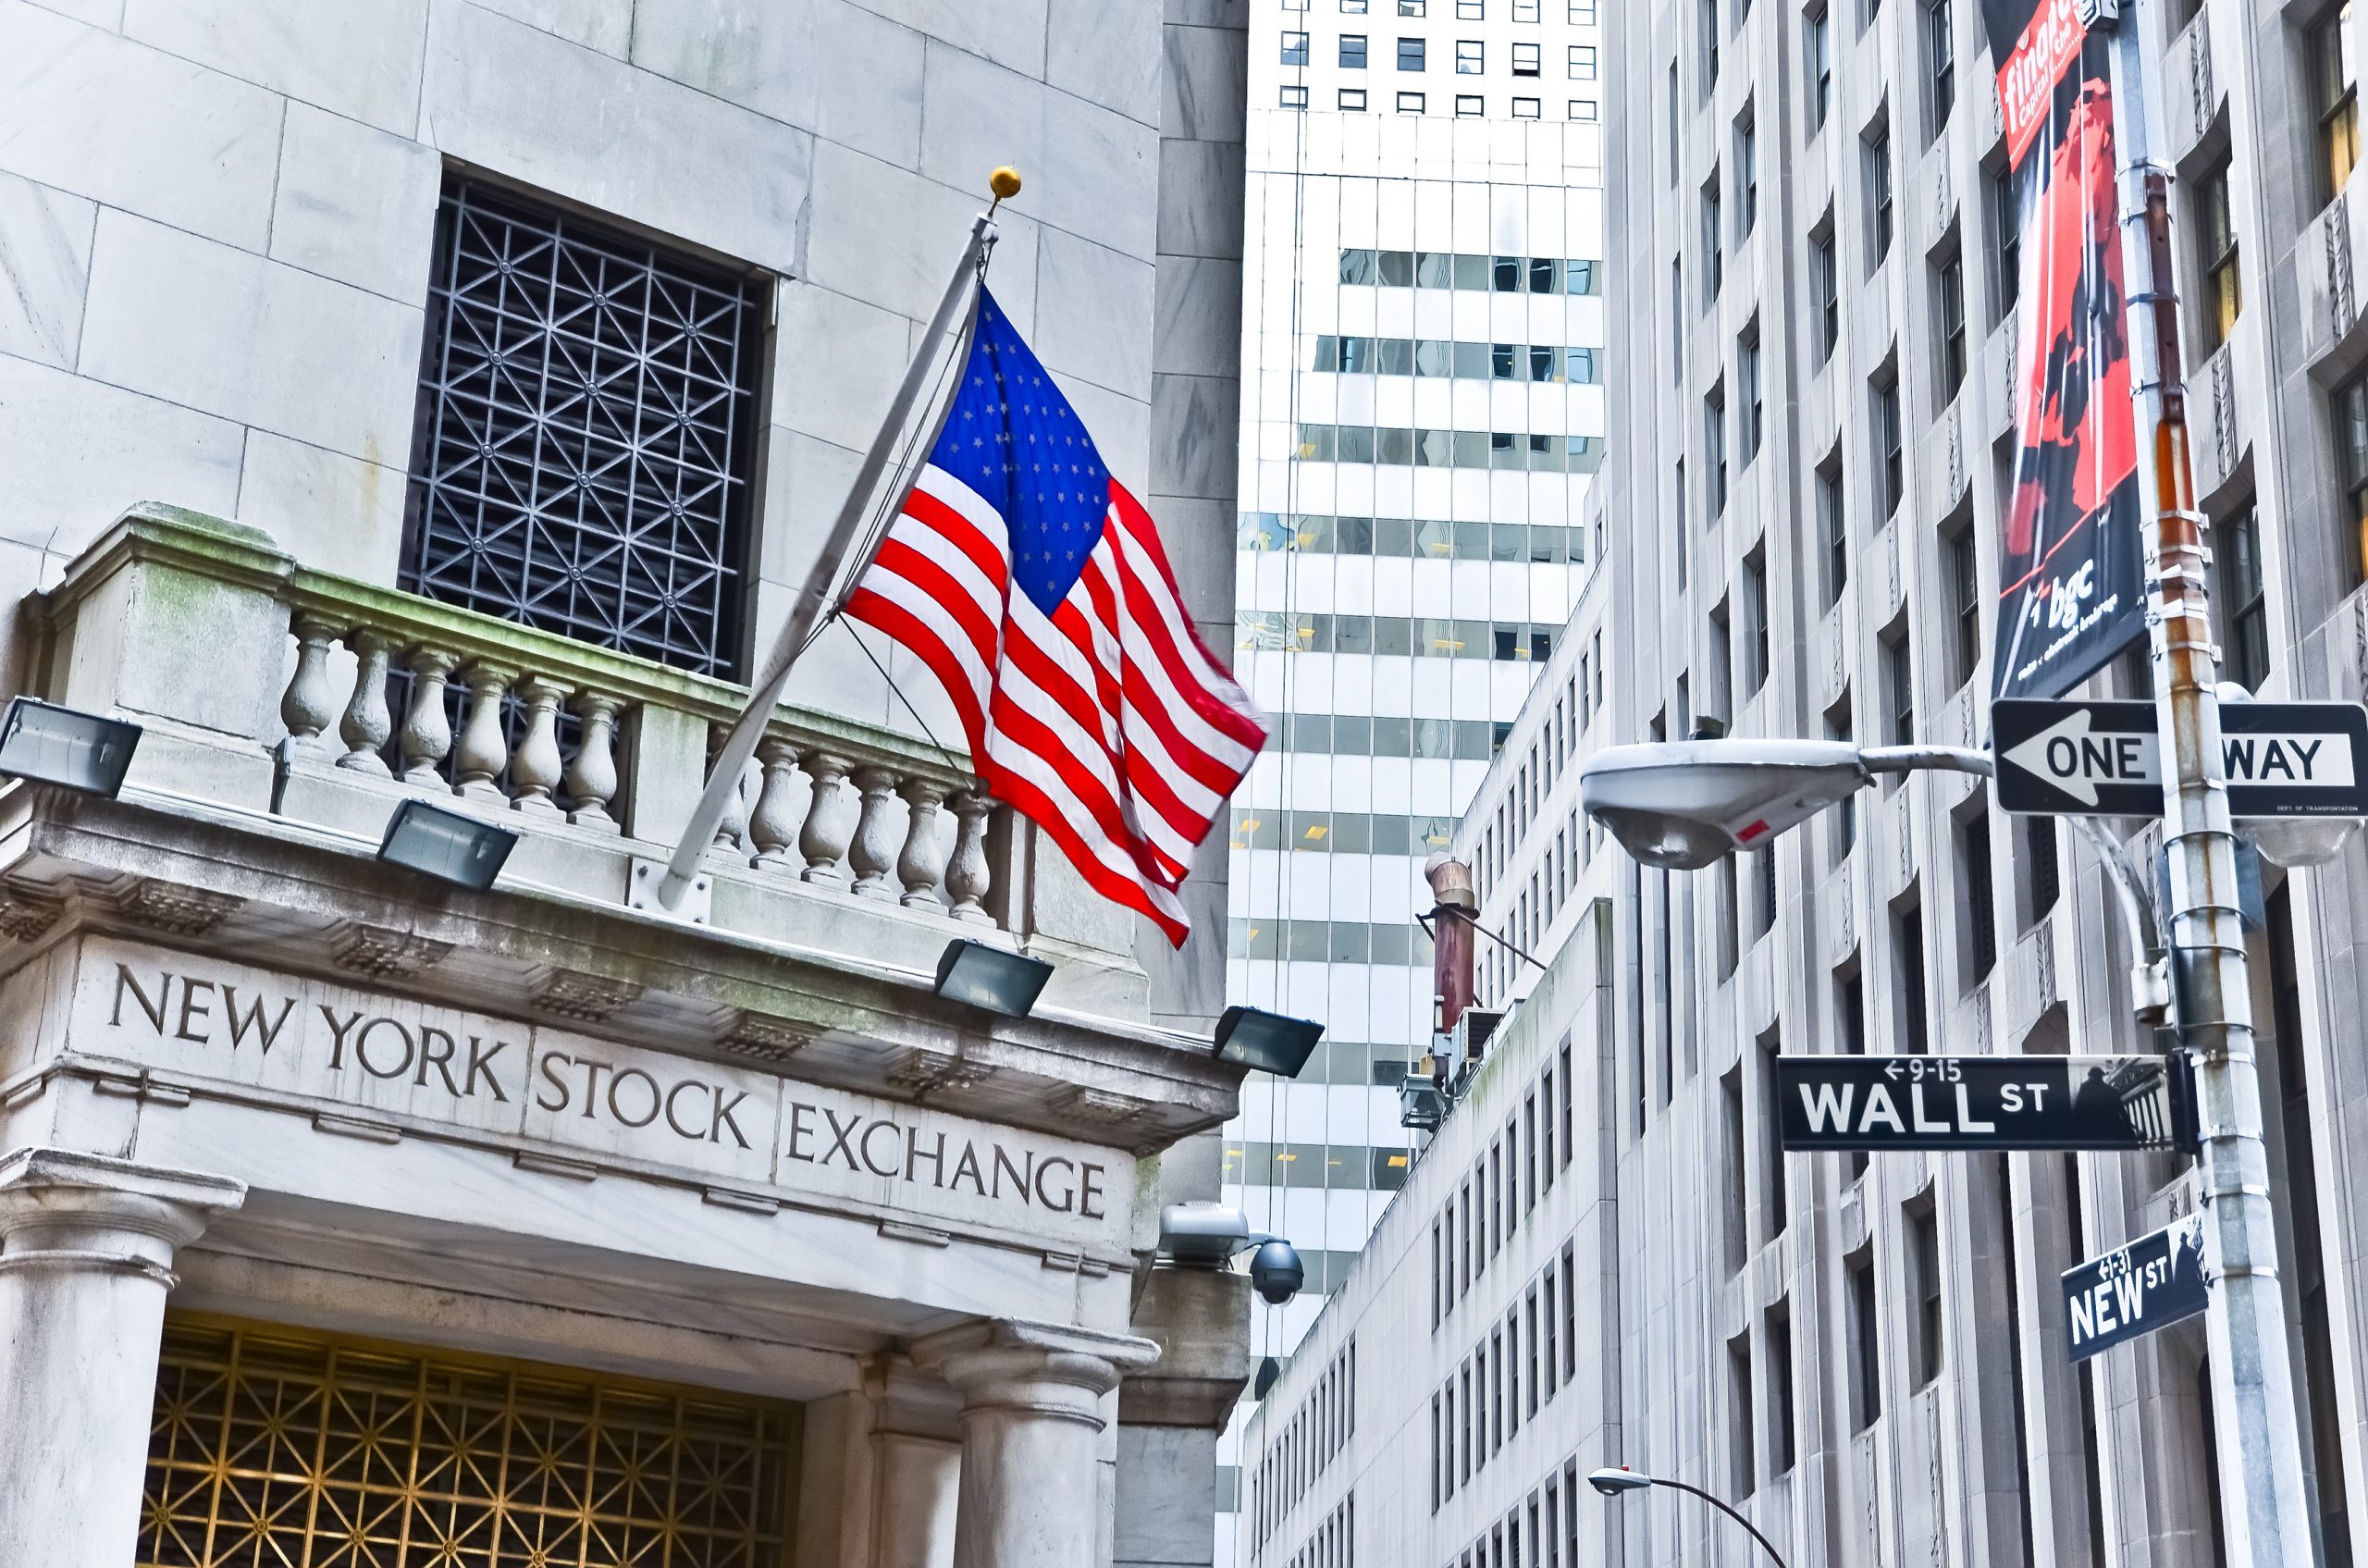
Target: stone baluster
x,y
426,735
922,861
874,852
830,821
966,875
366,723
731,828
484,750
535,772
310,703
772,828
592,774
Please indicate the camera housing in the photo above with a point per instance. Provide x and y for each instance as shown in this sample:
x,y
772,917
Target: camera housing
x,y
1276,1272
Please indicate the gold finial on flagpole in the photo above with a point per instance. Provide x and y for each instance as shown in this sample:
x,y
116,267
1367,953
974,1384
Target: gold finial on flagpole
x,y
1003,183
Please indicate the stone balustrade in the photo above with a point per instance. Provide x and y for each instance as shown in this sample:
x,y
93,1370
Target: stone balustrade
x,y
405,695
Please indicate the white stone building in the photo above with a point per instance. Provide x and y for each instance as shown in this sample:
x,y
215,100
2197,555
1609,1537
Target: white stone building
x,y
1424,315
433,401
1867,1354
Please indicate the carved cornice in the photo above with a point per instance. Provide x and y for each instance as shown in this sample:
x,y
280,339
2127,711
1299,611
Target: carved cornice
x,y
382,953
764,1037
24,916
180,910
922,1073
573,994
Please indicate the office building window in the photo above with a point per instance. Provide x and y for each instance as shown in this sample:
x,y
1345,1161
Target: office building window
x,y
1817,50
1924,1288
1739,1417
1294,48
1755,674
1526,59
1526,108
1784,1452
2005,239
1584,63
1410,102
1709,11
2335,98
1352,7
1746,172
1965,600
1353,99
2038,850
1878,196
587,433
1472,10
1469,57
1888,453
2223,285
1468,105
2243,604
1353,51
1410,53
1980,900
1833,528
1825,281
1411,7
1583,13
1907,942
1940,62
1899,676
1747,379
1865,1341
1713,240
1294,97
1948,309
1714,449
2351,451
1587,109
1525,10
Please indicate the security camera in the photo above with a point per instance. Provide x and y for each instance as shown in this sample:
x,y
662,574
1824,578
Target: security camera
x,y
1276,1272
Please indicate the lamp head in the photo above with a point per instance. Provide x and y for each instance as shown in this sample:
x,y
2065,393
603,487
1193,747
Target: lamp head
x,y
1684,804
1612,1481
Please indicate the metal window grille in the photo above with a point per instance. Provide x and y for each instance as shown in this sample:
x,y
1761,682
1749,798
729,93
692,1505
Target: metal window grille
x,y
587,410
271,1446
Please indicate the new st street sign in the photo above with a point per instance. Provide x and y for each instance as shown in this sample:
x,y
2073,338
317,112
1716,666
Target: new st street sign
x,y
2100,758
2155,1281
1878,1103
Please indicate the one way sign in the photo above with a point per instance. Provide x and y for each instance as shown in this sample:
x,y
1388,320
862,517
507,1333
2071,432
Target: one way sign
x,y
2100,758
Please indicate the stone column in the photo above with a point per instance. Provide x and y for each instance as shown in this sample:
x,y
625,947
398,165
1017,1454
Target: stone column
x,y
86,1253
916,1466
1031,1493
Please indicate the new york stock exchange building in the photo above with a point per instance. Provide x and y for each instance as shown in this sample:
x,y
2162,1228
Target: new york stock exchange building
x,y
436,402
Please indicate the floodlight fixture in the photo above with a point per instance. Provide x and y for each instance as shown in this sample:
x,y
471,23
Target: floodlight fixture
x,y
88,753
449,846
993,978
1269,1042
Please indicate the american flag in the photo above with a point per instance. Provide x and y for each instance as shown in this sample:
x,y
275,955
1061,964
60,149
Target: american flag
x,y
1034,587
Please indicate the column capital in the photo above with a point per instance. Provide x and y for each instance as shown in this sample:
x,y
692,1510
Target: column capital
x,y
65,1208
1049,1369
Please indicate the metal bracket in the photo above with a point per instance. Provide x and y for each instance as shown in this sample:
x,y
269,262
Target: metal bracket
x,y
695,908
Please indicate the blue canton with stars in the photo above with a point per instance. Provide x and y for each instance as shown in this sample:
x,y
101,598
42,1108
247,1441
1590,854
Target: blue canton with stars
x,y
1011,437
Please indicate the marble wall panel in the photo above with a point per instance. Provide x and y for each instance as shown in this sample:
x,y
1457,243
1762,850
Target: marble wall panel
x,y
1100,325
1197,315
770,58
604,25
356,203
499,93
1205,85
44,267
358,57
348,512
1106,53
229,333
76,453
836,362
1010,32
123,124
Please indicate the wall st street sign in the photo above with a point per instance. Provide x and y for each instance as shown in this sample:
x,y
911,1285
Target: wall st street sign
x,y
2155,1281
2100,759
1878,1103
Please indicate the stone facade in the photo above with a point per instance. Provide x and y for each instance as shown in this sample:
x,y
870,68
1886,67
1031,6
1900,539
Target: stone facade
x,y
1868,1357
749,1152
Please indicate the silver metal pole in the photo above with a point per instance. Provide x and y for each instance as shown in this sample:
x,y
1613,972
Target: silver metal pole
x,y
814,596
2267,1520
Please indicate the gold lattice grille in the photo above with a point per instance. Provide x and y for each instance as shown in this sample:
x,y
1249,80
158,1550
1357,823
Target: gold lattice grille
x,y
277,1450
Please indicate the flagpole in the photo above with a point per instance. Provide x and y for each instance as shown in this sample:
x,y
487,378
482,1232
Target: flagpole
x,y
813,600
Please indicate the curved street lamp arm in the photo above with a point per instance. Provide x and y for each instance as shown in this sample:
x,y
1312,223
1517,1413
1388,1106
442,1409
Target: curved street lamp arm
x,y
1729,1512
1915,759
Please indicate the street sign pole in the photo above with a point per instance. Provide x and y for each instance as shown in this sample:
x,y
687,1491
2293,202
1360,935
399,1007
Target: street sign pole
x,y
2252,1388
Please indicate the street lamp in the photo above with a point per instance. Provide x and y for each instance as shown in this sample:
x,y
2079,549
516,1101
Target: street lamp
x,y
1616,1482
1687,805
